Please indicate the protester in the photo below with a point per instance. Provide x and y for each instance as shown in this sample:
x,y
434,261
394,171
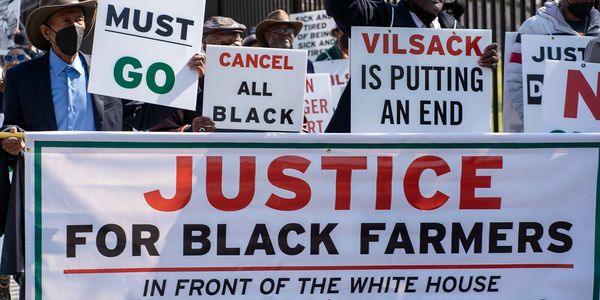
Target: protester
x,y
337,51
250,41
276,30
557,17
592,51
15,56
406,13
217,30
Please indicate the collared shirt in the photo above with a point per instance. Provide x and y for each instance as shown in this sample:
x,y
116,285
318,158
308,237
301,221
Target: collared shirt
x,y
72,104
434,24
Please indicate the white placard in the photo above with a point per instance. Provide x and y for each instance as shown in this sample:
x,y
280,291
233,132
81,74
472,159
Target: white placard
x,y
9,23
419,80
257,89
536,50
339,70
316,33
255,216
141,50
571,97
510,118
318,102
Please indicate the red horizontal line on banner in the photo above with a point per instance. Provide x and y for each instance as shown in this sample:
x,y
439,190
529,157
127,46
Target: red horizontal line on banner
x,y
316,268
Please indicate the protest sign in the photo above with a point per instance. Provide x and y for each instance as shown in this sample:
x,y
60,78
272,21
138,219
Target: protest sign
x,y
536,50
339,70
141,50
248,216
318,104
257,89
571,97
9,23
510,118
315,36
419,80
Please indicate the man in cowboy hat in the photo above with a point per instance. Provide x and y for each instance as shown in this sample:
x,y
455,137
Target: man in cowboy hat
x,y
278,31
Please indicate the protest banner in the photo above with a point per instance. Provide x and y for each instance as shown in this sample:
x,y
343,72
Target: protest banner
x,y
9,23
248,216
571,97
318,104
141,50
510,118
255,89
536,50
339,70
315,36
419,80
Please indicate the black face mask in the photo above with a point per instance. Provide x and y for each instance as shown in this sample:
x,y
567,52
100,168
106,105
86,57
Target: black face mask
x,y
69,39
424,16
581,10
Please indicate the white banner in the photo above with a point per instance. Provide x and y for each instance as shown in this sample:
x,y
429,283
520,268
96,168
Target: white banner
x,y
339,69
257,89
318,104
281,216
141,50
536,50
571,97
316,33
510,118
10,10
419,80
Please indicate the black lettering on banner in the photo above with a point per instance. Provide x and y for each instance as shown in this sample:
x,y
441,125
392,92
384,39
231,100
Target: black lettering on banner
x,y
395,114
219,113
400,239
260,240
314,285
474,239
322,237
366,237
496,236
439,232
555,234
283,239
374,85
535,88
286,116
155,287
121,18
532,239
147,242
252,116
73,240
189,239
222,248
163,22
121,240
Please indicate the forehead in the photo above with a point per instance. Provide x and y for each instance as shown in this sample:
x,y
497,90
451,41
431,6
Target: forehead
x,y
222,34
67,12
16,51
281,25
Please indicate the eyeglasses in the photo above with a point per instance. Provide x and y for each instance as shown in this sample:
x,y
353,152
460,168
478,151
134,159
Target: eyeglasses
x,y
282,30
19,58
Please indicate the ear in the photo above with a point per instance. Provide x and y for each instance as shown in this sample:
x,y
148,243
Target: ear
x,y
45,31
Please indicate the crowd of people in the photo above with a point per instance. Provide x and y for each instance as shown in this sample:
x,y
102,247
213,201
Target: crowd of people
x,y
48,92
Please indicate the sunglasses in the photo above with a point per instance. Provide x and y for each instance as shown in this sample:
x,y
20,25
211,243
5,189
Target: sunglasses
x,y
19,58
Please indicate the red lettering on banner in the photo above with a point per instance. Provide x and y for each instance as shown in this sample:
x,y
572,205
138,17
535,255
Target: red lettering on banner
x,y
255,61
578,85
473,45
451,49
416,41
370,45
435,46
413,176
343,165
310,88
397,49
214,183
293,184
183,191
469,181
384,183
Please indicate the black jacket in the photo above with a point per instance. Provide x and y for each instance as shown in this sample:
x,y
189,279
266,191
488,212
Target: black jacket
x,y
348,13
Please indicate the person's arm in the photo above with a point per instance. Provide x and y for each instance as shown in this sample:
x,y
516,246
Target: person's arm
x,y
348,13
12,115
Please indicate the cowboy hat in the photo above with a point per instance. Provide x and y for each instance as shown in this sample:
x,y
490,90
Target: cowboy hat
x,y
276,17
47,7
